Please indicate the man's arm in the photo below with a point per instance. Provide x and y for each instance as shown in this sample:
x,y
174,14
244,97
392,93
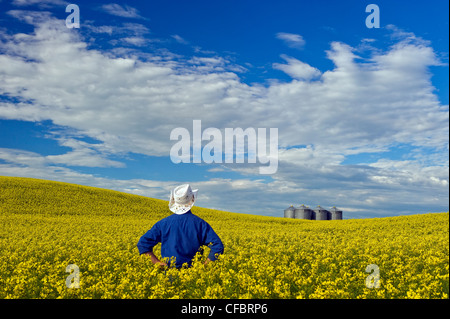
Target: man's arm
x,y
213,241
155,259
149,240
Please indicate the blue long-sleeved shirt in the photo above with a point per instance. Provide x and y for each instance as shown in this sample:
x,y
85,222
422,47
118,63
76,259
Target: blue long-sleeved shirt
x,y
181,236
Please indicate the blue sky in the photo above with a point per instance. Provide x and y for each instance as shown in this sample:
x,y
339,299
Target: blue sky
x,y
361,113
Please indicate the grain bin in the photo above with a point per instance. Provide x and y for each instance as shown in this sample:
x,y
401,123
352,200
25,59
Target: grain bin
x,y
321,213
303,212
289,212
335,213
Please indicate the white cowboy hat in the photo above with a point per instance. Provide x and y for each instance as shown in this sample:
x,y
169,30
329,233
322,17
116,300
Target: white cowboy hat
x,y
182,198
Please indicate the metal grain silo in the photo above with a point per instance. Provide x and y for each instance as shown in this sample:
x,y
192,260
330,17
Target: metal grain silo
x,y
321,213
335,213
289,212
303,212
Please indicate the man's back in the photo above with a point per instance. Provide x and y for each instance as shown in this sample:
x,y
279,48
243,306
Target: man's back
x,y
181,236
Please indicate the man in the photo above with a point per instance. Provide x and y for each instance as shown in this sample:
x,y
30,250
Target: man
x,y
181,234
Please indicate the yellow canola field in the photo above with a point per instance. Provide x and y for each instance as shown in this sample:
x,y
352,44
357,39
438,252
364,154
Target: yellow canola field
x,y
46,226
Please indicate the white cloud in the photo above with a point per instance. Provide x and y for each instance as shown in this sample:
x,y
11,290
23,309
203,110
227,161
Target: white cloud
x,y
121,11
297,69
350,107
129,29
138,41
83,154
292,40
130,104
134,34
22,158
179,39
40,3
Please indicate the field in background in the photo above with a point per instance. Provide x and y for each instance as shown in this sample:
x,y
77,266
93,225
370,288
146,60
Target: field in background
x,y
45,226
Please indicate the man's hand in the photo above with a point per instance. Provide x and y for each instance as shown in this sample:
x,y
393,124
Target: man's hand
x,y
207,261
155,259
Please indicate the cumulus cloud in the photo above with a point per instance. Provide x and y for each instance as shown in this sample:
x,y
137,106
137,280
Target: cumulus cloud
x,y
297,69
83,154
130,104
121,11
125,34
292,40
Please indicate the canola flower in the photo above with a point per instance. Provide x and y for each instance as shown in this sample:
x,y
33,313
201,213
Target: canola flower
x,y
46,226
